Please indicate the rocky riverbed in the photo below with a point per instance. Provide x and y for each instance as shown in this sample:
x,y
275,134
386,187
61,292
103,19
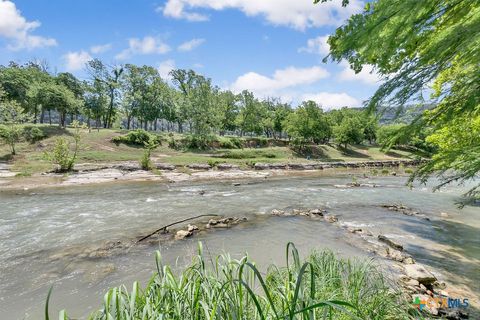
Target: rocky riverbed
x,y
94,173
84,239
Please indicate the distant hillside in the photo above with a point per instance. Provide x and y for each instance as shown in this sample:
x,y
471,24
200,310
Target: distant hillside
x,y
404,114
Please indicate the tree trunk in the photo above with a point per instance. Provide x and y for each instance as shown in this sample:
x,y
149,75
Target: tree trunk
x,y
42,115
50,116
180,127
129,118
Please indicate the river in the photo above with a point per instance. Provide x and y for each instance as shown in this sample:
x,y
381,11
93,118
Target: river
x,y
38,225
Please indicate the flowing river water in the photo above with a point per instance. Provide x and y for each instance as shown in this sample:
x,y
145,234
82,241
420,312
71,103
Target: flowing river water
x,y
39,227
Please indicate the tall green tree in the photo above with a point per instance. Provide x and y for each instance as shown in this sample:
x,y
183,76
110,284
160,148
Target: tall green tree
x,y
252,112
109,77
412,45
308,124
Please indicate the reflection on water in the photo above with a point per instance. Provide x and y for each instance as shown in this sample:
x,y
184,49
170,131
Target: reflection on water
x,y
37,226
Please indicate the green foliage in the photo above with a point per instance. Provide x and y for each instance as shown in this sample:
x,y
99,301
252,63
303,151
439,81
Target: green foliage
x,y
308,124
414,44
230,143
198,142
349,131
319,287
458,149
61,156
11,116
137,138
33,134
393,135
149,146
249,154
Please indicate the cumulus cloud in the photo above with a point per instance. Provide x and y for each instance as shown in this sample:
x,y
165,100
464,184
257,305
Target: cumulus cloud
x,y
147,45
331,100
165,67
16,28
317,45
101,48
298,14
75,61
367,75
190,45
290,77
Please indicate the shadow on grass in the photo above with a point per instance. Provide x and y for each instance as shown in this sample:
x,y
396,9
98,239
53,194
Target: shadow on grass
x,y
6,157
352,153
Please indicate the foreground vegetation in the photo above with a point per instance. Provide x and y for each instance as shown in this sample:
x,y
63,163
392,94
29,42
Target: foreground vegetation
x,y
321,287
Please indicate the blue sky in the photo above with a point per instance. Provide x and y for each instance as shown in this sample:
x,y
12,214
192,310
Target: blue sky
x,y
271,47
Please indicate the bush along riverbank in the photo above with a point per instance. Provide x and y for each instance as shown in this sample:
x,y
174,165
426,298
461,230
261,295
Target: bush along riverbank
x,y
322,286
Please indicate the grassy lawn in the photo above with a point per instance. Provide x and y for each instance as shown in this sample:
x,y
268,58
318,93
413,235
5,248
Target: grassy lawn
x,y
96,146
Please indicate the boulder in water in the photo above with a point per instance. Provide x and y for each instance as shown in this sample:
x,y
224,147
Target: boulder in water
x,y
390,242
182,234
419,273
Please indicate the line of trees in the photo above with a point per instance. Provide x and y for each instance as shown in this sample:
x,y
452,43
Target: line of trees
x,y
136,97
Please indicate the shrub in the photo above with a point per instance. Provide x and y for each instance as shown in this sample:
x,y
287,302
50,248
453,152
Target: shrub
x,y
198,142
33,134
385,171
319,287
269,155
230,143
61,155
213,163
145,161
137,138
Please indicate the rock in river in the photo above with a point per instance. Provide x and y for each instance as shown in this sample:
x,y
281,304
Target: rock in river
x,y
390,242
419,273
182,234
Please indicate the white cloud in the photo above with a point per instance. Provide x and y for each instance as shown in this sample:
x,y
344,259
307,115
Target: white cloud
x,y
367,75
15,27
101,48
264,86
165,67
75,61
330,100
190,45
147,45
175,9
317,45
299,14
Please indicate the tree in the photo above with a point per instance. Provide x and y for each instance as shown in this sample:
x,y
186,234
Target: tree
x,y
413,44
230,109
57,96
392,135
349,131
252,112
308,124
12,116
109,77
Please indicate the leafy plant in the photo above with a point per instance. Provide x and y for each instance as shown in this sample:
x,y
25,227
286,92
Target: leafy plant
x,y
33,134
11,116
137,138
62,156
320,287
145,161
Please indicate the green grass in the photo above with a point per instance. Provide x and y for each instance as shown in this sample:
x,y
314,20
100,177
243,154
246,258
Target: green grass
x,y
96,146
320,287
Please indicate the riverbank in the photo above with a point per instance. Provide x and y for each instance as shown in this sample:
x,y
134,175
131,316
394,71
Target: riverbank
x,y
95,173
